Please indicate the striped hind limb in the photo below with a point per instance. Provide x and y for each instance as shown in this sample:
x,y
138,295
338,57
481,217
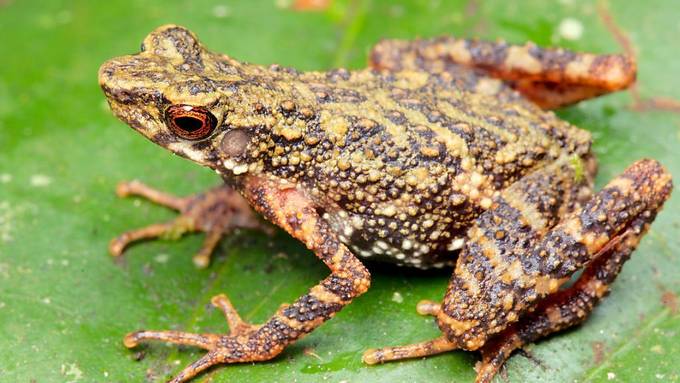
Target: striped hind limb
x,y
519,215
564,309
551,78
505,291
498,278
597,237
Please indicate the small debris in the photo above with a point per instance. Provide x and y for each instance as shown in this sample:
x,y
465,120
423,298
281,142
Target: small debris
x,y
7,215
5,178
396,297
40,180
139,355
221,11
611,376
598,352
670,300
71,372
657,349
570,29
310,352
283,4
161,258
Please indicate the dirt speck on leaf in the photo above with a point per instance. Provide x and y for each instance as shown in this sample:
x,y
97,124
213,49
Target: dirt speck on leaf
x,y
310,352
397,297
657,349
8,214
670,300
139,356
40,180
71,372
570,29
598,352
221,11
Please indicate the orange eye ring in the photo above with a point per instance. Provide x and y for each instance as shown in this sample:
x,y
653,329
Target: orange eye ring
x,y
190,122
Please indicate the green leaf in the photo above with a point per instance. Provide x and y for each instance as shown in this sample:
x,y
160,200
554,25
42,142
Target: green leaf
x,y
65,304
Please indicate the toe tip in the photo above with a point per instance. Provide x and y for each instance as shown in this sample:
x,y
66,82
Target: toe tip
x,y
218,299
371,356
130,340
116,247
123,189
426,307
201,261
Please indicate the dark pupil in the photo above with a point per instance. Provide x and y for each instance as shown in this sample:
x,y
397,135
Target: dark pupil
x,y
188,124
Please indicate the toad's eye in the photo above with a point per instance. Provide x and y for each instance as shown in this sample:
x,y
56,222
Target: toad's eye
x,y
190,122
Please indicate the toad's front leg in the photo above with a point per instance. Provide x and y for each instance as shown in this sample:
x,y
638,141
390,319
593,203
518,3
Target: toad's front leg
x,y
216,212
292,210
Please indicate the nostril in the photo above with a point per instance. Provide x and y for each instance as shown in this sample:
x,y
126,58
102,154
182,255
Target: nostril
x,y
121,96
106,72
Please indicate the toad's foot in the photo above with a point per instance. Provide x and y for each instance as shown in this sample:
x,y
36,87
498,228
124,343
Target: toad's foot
x,y
244,343
416,350
216,212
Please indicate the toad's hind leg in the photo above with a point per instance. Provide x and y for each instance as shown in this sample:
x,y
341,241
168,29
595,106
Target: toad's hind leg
x,y
599,237
498,277
509,268
543,196
549,77
567,307
293,211
216,212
